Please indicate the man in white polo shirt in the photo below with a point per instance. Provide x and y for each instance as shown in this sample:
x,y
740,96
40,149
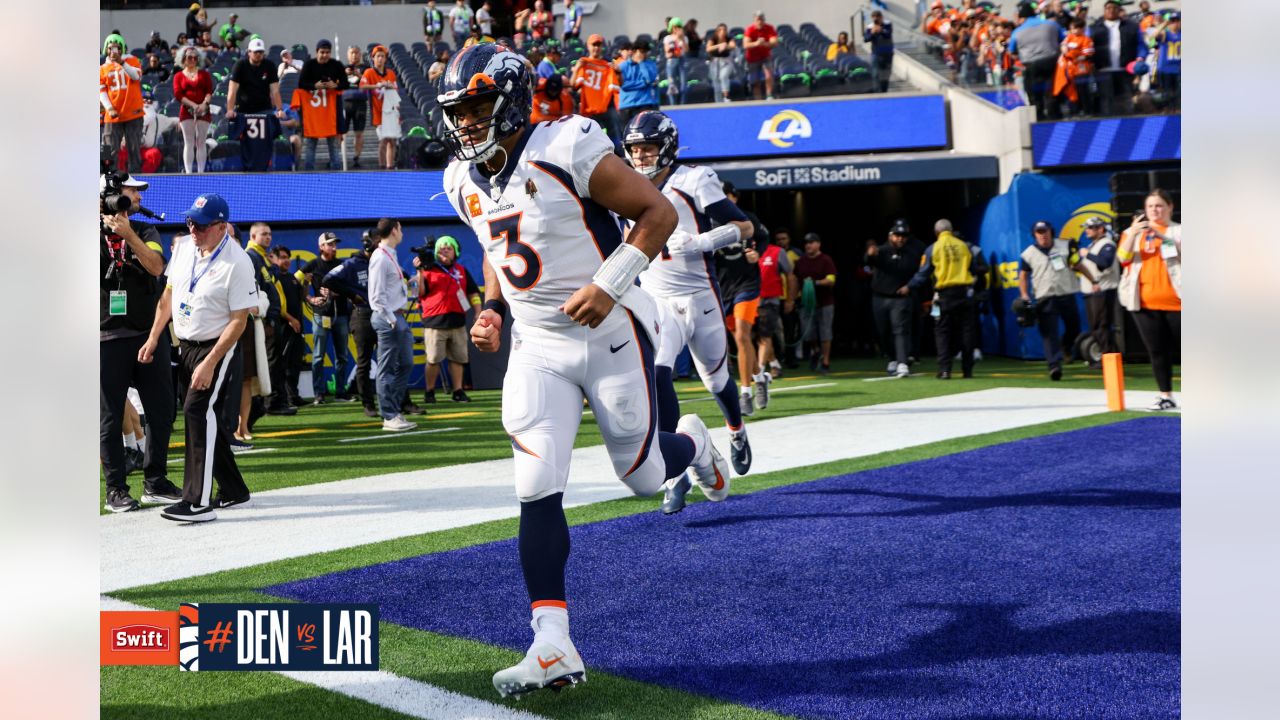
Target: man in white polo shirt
x,y
210,291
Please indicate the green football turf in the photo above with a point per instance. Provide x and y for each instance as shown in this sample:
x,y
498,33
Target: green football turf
x,y
456,664
304,448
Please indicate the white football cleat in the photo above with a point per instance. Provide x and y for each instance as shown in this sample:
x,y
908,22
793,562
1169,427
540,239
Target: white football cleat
x,y
710,470
543,666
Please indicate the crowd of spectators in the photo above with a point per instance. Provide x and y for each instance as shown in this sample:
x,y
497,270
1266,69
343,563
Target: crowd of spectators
x,y
1069,63
218,69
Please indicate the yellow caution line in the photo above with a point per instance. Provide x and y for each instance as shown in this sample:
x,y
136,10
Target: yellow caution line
x,y
288,433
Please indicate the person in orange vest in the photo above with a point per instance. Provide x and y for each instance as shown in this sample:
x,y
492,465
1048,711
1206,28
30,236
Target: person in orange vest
x,y
1075,70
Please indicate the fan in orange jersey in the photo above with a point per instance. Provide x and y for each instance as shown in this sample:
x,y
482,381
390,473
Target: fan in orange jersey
x,y
120,94
1075,65
597,84
381,79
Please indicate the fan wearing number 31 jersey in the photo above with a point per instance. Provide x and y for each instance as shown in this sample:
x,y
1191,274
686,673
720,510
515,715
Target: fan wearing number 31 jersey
x,y
539,198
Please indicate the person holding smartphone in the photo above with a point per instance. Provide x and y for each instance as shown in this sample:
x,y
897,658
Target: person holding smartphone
x,y
1151,289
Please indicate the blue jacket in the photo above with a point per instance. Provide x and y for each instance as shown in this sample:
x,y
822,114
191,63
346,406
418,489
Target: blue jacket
x,y
639,83
350,279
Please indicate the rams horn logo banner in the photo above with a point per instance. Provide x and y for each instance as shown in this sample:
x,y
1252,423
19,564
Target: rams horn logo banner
x,y
783,126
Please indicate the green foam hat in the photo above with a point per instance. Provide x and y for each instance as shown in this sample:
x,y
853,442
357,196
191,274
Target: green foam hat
x,y
447,241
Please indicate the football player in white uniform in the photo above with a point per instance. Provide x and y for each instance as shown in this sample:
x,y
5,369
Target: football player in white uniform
x,y
683,280
539,198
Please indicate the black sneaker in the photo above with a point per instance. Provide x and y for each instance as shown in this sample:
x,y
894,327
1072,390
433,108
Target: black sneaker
x,y
370,411
410,408
220,502
944,375
160,492
134,459
119,501
319,400
282,410
1055,373
460,396
824,370
429,398
345,397
186,512
813,362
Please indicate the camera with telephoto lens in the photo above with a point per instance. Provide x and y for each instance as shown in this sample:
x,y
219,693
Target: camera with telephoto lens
x,y
111,199
426,253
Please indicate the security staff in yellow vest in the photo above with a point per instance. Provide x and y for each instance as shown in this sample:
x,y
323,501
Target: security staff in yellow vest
x,y
952,267
1047,276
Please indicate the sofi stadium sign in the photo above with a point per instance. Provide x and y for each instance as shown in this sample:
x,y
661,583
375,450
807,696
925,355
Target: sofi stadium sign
x,y
853,124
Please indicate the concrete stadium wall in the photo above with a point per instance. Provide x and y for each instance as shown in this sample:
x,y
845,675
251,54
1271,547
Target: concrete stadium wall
x,y
403,23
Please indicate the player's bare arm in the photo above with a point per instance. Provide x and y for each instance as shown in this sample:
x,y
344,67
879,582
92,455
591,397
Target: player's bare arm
x,y
632,196
486,333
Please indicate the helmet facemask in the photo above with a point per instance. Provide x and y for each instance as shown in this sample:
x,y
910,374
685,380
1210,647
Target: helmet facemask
x,y
457,138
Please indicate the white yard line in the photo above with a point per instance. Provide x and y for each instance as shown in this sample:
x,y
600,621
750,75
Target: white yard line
x,y
404,695
297,521
363,438
891,377
773,390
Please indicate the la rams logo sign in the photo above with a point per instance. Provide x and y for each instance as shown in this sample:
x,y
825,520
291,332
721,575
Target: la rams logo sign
x,y
1073,228
783,126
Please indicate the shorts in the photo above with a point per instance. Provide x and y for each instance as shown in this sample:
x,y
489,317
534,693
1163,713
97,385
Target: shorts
x,y
770,319
356,111
817,325
445,344
756,71
743,308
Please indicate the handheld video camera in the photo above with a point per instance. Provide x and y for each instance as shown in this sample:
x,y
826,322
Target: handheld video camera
x,y
426,253
110,198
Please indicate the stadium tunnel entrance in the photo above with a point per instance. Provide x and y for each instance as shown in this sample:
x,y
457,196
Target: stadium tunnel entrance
x,y
848,200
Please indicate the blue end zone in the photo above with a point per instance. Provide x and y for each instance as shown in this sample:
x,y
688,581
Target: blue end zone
x,y
1039,578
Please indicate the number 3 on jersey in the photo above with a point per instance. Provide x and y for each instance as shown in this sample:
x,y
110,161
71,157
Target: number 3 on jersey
x,y
507,229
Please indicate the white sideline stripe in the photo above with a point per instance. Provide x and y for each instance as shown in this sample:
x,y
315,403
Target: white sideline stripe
x,y
379,687
398,434
705,398
298,521
255,451
891,377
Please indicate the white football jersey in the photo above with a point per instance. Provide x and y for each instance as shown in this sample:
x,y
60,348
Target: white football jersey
x,y
691,191
542,233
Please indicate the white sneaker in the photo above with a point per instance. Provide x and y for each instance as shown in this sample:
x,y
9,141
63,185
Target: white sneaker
x,y
893,367
1162,404
710,471
544,666
977,355
398,424
762,382
903,370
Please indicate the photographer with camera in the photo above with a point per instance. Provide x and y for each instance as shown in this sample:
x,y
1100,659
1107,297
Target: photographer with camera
x,y
130,261
445,292
1047,280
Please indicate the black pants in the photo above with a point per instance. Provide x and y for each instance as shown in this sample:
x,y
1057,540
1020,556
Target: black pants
x,y
1038,79
273,334
209,455
366,346
230,412
953,329
893,320
1115,93
292,351
1161,332
1059,323
1100,308
118,370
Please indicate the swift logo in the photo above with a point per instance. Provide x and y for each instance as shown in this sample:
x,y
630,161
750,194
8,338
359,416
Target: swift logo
x,y
132,638
783,126
548,663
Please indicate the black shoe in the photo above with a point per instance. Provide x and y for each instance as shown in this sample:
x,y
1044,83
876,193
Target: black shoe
x,y
345,397
410,408
429,398
371,411
282,410
968,374
186,512
1055,373
824,370
944,375
219,502
134,459
1094,365
119,501
460,396
160,491
813,362
296,401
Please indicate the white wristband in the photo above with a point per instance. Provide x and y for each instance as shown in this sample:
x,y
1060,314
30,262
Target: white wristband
x,y
723,236
620,270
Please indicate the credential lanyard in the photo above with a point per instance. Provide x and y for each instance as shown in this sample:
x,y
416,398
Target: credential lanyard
x,y
196,278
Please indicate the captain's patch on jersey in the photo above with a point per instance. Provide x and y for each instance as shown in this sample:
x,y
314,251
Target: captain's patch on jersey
x,y
473,205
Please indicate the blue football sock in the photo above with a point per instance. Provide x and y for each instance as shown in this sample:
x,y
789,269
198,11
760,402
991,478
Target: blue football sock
x,y
728,399
677,452
544,547
668,403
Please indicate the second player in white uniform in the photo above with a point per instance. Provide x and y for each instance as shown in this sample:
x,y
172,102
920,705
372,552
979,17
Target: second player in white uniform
x,y
682,278
539,199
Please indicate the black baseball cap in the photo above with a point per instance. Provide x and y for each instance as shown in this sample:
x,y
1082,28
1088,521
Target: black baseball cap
x,y
1095,221
324,44
1041,225
812,237
900,227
